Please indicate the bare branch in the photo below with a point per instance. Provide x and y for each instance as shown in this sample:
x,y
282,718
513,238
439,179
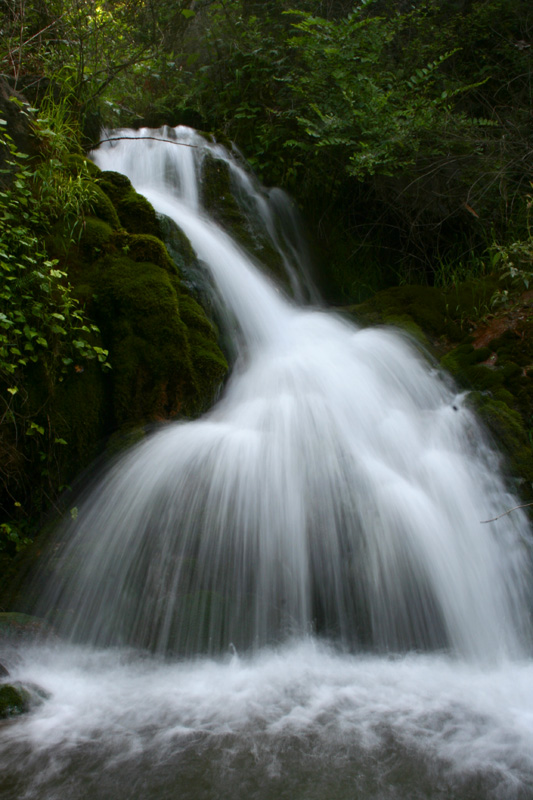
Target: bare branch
x,y
139,138
524,505
35,35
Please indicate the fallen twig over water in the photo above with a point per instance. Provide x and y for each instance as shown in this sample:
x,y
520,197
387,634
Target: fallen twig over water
x,y
524,505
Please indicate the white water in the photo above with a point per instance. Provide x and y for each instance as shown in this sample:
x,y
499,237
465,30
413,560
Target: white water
x,y
299,722
337,489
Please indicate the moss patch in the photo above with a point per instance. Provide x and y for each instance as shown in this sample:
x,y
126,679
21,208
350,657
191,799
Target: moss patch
x,y
13,701
103,208
179,247
135,213
507,426
145,248
16,624
81,165
138,309
219,199
444,315
95,234
209,363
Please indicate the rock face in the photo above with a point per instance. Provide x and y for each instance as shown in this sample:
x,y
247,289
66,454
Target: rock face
x,y
162,347
13,701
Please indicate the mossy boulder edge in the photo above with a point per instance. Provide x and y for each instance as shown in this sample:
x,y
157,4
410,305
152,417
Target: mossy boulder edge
x,y
488,352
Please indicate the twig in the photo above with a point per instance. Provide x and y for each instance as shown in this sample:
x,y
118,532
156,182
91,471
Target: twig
x,y
524,505
139,138
23,44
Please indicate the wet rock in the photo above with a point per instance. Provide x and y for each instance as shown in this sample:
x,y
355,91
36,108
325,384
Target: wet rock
x,y
13,701
21,626
19,698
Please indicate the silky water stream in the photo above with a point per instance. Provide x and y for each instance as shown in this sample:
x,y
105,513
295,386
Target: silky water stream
x,y
293,596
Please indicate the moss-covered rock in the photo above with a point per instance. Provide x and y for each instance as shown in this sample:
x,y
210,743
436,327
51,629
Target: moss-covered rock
x,y
163,349
81,165
444,315
17,625
138,311
179,247
95,234
115,185
405,306
209,363
508,429
103,208
13,701
489,354
219,197
145,248
135,213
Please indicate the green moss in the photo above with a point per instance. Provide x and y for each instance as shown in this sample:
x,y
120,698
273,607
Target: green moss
x,y
13,701
217,195
135,213
503,395
95,234
138,309
407,324
438,312
422,305
177,244
507,426
464,363
81,165
219,199
503,421
195,318
209,364
115,185
143,247
103,208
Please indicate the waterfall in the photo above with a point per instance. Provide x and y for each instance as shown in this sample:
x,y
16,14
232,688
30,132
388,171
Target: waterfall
x,y
293,596
336,489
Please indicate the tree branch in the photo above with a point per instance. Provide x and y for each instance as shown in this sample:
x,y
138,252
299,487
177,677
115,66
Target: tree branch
x,y
524,505
139,138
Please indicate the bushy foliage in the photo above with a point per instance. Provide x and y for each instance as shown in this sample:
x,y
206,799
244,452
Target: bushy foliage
x,y
407,123
40,320
44,332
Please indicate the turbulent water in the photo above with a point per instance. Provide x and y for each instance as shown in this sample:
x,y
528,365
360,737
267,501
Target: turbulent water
x,y
294,596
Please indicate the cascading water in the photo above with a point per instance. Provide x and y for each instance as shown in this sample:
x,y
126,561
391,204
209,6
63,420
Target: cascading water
x,y
325,514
